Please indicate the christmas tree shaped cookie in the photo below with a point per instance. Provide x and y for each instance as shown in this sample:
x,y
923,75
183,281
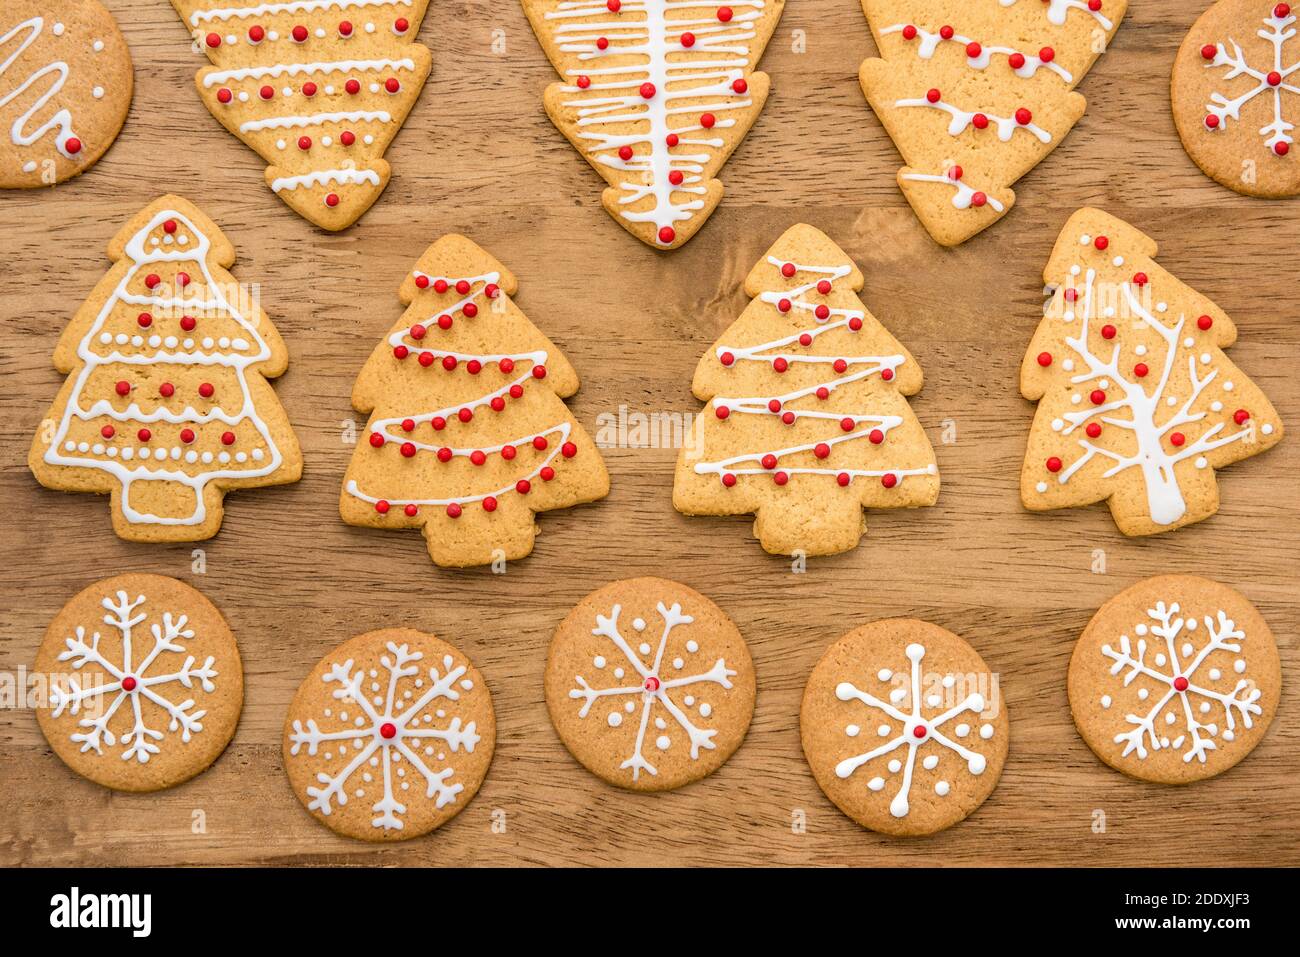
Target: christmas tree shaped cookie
x,y
807,420
656,94
318,88
166,406
1137,403
974,94
468,435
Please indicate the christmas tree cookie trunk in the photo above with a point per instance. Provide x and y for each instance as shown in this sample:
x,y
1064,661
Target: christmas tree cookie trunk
x,y
166,405
468,435
1137,402
656,94
975,94
807,420
318,88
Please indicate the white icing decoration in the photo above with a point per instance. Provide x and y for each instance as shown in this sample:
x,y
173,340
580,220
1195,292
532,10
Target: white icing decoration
x,y
316,119
54,74
929,42
857,368
1152,454
1006,126
371,744
1278,129
292,6
652,690
974,703
700,77
141,741
963,195
244,411
1222,635
323,176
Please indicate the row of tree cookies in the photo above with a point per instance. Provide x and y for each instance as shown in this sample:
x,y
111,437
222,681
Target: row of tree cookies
x,y
167,405
650,686
656,94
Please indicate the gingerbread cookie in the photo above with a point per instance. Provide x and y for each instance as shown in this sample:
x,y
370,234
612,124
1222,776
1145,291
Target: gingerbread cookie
x,y
649,684
808,421
390,736
975,95
1175,679
656,94
469,435
318,88
145,683
65,88
904,727
1137,402
1236,96
166,406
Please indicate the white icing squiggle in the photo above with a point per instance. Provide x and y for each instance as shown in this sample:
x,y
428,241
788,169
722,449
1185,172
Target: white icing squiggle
x,y
57,71
929,42
963,195
962,119
323,176
315,119
297,69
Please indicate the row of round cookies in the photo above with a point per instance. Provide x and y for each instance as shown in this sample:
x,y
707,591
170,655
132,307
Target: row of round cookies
x,y
655,95
650,686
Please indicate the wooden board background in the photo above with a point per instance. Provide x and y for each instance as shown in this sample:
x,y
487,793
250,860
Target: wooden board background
x,y
479,156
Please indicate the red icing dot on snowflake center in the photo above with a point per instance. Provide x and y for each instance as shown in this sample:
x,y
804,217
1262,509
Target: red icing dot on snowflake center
x,y
651,684
129,683
920,731
388,730
1180,683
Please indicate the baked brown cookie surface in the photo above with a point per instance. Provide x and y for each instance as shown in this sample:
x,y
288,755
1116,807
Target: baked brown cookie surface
x,y
145,683
649,684
390,736
904,727
1175,679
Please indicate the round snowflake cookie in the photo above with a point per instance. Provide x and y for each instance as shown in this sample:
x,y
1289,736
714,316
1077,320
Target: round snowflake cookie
x,y
390,736
65,88
145,683
649,684
1236,96
1175,679
904,727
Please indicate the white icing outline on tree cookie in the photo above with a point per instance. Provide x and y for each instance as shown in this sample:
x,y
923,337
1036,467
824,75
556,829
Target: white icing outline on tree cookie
x,y
135,252
62,119
1223,633
652,689
374,735
132,682
916,732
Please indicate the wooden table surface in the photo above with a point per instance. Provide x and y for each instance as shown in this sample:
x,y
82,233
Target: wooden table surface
x,y
479,156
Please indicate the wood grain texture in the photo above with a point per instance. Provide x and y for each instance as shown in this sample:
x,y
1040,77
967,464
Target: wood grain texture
x,y
479,156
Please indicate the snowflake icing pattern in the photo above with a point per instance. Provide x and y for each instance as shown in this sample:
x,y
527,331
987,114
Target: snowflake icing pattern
x,y
916,731
652,689
1280,29
131,682
387,737
1179,683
